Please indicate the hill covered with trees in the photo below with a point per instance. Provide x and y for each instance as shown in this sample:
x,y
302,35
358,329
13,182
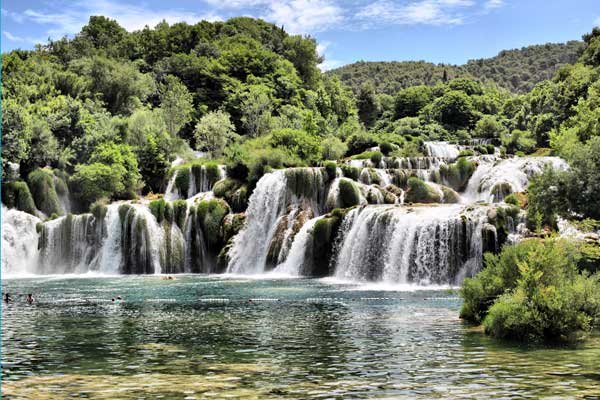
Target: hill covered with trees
x,y
517,70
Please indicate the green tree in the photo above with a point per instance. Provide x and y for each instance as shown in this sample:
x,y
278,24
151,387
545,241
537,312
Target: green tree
x,y
332,148
368,108
175,104
410,101
489,127
454,109
256,109
214,132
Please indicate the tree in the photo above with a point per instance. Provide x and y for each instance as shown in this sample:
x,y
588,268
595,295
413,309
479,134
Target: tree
x,y
410,101
175,104
489,127
298,142
454,109
214,132
332,148
368,107
256,111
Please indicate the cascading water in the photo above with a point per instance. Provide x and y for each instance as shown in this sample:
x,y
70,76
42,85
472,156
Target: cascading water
x,y
297,258
423,245
19,242
442,150
493,180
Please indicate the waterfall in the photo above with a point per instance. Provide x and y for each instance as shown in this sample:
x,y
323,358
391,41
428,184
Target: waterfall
x,y
111,252
19,242
199,179
492,181
248,253
298,257
424,245
442,150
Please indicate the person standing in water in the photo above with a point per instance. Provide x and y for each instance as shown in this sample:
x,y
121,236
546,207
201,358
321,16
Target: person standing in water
x,y
30,299
7,298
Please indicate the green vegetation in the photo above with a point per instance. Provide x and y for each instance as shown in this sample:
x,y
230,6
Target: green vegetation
x,y
17,195
516,70
421,192
209,216
349,195
534,291
43,191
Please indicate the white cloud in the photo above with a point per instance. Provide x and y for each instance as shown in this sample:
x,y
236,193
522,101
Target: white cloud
x,y
330,64
70,19
426,12
12,37
304,16
491,4
597,22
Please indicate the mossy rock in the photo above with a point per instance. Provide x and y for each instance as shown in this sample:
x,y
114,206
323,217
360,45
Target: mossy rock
x,y
99,208
17,195
124,210
500,191
233,224
324,233
158,208
182,181
234,192
43,191
179,208
331,169
209,217
421,192
450,195
305,182
349,195
350,172
456,175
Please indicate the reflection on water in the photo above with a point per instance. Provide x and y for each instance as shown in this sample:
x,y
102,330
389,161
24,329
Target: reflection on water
x,y
200,337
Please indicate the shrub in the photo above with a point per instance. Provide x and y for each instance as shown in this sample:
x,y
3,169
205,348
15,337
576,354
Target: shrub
x,y
457,175
376,158
512,199
350,172
99,208
234,192
360,142
41,184
17,195
179,212
533,291
158,209
386,148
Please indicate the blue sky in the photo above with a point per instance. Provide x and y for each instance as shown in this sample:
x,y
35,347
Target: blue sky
x,y
450,31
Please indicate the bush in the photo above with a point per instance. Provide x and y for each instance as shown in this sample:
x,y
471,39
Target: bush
x,y
234,192
533,291
386,148
360,142
182,180
350,172
512,199
209,217
298,142
376,158
99,208
17,195
457,175
158,209
41,184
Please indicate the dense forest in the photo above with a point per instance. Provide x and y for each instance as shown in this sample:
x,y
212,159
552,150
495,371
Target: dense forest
x,y
103,115
517,70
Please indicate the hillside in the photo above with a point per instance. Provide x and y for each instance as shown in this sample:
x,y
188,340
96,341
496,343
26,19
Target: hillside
x,y
517,70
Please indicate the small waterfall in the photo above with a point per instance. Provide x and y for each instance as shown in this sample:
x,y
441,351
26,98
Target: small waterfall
x,y
68,244
19,242
298,257
111,252
492,181
442,150
141,240
195,179
424,245
267,203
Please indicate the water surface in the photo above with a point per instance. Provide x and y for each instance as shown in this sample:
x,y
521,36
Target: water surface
x,y
201,337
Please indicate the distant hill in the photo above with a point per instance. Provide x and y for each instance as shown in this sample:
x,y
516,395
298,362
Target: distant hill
x,y
517,70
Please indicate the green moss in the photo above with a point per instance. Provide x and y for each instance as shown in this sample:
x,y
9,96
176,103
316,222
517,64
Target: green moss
x,y
17,195
349,195
500,191
324,233
421,192
99,209
232,224
234,192
209,216
512,199
41,185
457,175
213,173
158,208
386,148
305,182
179,212
466,153
376,158
331,169
450,196
351,172
124,209
182,181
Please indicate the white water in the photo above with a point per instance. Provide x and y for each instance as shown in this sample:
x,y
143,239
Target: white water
x,y
267,203
297,256
400,245
442,150
19,243
110,255
513,172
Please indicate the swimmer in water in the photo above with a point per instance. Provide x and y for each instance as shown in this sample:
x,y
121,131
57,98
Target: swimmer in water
x,y
30,299
7,298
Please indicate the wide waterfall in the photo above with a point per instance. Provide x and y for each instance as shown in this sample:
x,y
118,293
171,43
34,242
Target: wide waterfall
x,y
424,245
355,221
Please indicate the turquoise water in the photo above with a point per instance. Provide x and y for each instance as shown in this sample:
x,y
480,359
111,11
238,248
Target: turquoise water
x,y
200,337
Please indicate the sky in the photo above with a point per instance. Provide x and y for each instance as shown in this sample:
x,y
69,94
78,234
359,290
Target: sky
x,y
440,31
